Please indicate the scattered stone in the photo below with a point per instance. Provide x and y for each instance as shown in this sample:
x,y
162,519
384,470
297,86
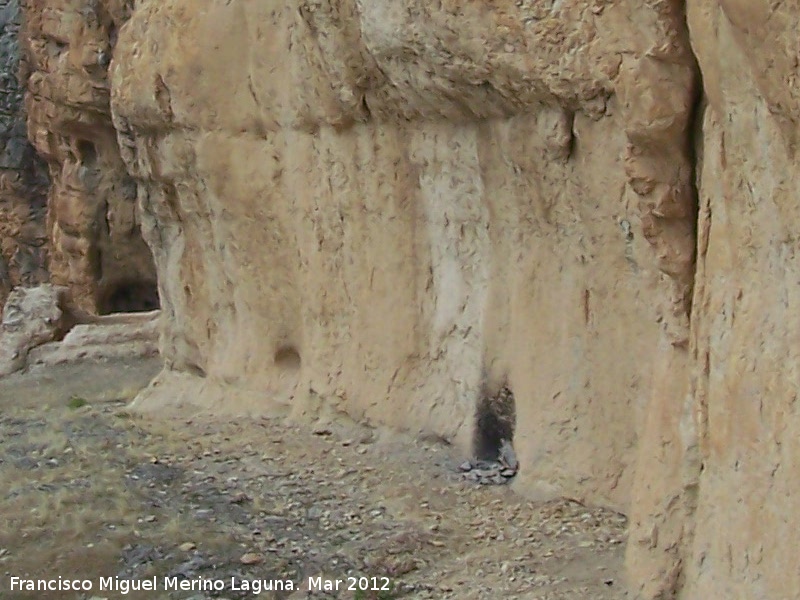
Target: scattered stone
x,y
313,508
239,498
507,457
251,558
487,472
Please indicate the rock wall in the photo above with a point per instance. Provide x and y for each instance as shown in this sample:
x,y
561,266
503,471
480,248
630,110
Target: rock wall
x,y
711,519
23,179
392,209
97,250
745,337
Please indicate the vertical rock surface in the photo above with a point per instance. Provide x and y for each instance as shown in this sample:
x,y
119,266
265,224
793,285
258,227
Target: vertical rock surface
x,y
745,339
96,246
395,209
23,180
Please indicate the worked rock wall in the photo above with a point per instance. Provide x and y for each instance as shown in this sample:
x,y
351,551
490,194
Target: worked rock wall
x,y
23,178
394,208
97,250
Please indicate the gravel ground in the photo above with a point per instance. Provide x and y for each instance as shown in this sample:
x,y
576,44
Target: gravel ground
x,y
89,490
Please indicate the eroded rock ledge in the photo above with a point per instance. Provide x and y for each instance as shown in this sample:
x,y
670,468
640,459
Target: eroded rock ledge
x,y
38,329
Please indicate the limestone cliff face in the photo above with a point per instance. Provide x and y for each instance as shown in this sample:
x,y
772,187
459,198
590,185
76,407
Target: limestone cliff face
x,y
394,208
96,246
745,343
23,180
391,208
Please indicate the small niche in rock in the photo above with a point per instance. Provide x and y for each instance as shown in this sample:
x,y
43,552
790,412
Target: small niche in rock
x,y
495,461
287,357
87,153
129,297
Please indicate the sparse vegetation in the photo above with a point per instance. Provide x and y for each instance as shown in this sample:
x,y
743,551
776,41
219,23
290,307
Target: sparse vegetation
x,y
76,402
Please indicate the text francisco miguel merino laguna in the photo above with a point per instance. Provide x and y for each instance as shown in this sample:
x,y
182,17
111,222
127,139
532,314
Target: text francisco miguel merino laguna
x,y
234,584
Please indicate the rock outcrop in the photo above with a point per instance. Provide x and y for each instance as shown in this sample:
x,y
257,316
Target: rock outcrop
x,y
109,337
397,209
96,246
23,178
31,317
38,328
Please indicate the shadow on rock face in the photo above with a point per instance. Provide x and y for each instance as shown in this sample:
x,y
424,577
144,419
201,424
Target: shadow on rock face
x,y
125,297
495,420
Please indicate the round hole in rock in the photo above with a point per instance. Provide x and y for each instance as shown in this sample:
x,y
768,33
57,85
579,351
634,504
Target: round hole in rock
x,y
137,296
287,357
495,419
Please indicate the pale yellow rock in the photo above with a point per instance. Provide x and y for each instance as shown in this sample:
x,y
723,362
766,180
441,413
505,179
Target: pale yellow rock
x,y
745,318
377,208
391,208
31,317
387,218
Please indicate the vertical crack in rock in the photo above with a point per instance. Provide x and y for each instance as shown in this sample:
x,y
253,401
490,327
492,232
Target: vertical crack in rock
x,y
662,165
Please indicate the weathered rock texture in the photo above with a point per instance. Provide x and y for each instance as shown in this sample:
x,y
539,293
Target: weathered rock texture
x,y
396,208
38,328
31,317
745,341
109,337
23,179
96,246
392,208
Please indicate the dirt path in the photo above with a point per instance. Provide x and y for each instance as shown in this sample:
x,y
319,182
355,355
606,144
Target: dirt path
x,y
89,491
